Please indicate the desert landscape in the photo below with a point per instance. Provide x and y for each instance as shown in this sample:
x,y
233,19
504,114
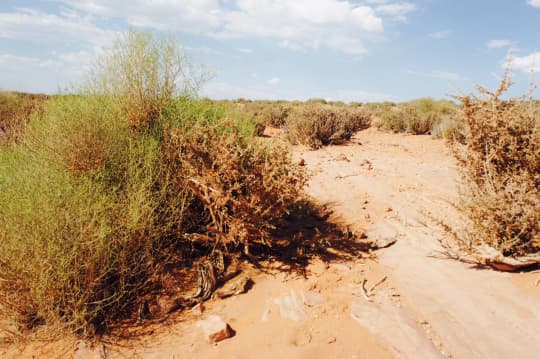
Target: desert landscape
x,y
140,219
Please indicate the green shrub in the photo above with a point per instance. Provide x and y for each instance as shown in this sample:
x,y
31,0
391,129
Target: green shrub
x,y
96,201
417,117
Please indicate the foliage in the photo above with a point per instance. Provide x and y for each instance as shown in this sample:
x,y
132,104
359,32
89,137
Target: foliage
x,y
321,125
500,162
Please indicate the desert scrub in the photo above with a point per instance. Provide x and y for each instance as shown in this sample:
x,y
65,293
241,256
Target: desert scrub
x,y
500,162
98,199
15,110
242,186
417,117
321,125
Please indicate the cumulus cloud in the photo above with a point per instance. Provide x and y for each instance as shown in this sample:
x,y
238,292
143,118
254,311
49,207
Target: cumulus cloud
x,y
534,3
398,10
192,16
67,26
304,24
497,44
525,63
298,25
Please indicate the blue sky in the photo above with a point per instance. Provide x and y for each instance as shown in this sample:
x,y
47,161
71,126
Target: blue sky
x,y
364,50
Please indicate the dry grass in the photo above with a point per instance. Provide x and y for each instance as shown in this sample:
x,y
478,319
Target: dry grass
x,y
500,163
321,125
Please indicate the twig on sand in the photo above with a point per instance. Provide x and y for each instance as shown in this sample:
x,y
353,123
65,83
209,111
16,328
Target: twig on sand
x,y
350,175
383,279
364,291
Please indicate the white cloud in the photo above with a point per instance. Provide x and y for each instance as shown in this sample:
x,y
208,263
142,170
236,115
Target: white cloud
x,y
22,73
192,16
341,25
398,10
526,63
274,81
67,26
534,3
246,51
436,74
304,24
497,44
440,34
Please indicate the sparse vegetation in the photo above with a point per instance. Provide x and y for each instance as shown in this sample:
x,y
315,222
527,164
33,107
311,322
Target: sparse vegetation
x,y
102,193
321,125
500,163
418,117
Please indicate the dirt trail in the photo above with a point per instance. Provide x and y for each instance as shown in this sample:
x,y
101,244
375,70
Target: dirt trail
x,y
428,307
464,312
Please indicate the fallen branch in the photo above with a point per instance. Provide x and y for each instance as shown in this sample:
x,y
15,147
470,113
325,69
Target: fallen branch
x,y
347,176
364,291
377,284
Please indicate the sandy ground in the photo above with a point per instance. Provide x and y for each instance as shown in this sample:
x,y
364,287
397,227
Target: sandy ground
x,y
391,186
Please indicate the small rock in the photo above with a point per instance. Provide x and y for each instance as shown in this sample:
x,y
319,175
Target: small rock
x,y
236,286
302,162
216,329
198,309
389,209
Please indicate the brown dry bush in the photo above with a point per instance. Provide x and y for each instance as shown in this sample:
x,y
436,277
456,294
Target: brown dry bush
x,y
321,125
242,186
15,109
501,166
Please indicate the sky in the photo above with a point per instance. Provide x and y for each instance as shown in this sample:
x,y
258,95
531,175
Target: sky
x,y
364,50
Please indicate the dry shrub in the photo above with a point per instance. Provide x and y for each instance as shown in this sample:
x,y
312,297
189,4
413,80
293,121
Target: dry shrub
x,y
276,115
451,129
390,119
15,109
321,125
501,166
244,187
